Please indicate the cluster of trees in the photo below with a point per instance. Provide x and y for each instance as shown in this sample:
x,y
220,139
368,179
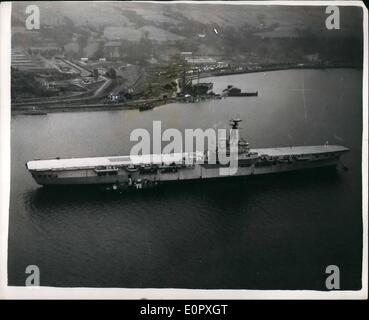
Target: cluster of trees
x,y
111,73
24,85
248,40
238,42
138,52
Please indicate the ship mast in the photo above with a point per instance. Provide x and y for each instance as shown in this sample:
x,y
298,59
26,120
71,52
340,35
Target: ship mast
x,y
243,145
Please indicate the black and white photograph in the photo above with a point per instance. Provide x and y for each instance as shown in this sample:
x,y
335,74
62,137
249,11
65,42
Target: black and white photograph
x,y
185,149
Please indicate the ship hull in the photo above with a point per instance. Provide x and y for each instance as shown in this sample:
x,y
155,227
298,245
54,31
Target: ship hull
x,y
195,172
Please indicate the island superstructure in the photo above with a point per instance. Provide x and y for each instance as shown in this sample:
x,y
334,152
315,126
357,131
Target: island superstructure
x,y
124,172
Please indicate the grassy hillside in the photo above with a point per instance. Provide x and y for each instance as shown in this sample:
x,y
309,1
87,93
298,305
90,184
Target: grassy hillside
x,y
240,32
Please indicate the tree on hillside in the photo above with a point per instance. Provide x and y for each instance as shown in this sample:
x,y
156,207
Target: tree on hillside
x,y
111,73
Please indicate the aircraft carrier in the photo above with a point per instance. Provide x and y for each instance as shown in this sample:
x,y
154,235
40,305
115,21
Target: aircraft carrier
x,y
143,171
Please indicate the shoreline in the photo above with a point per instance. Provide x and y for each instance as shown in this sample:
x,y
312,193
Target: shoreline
x,y
131,105
280,68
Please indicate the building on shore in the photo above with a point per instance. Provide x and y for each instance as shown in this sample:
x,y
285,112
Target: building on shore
x,y
202,88
113,50
200,60
46,51
22,61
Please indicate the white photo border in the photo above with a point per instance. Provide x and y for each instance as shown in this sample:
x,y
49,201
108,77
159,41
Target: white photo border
x,y
13,292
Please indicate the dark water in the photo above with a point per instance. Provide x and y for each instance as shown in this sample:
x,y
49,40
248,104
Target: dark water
x,y
266,233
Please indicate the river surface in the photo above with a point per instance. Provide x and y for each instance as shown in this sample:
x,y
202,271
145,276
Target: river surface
x,y
276,232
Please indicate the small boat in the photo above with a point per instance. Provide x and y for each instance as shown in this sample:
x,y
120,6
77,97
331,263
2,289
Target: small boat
x,y
34,111
232,91
243,94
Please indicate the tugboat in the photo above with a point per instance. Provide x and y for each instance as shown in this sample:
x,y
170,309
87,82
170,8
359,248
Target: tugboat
x,y
232,91
34,111
122,172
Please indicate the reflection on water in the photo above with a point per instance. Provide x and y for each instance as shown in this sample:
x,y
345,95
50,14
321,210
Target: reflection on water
x,y
273,232
45,199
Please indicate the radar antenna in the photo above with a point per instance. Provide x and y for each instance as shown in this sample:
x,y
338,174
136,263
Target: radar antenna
x,y
234,123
